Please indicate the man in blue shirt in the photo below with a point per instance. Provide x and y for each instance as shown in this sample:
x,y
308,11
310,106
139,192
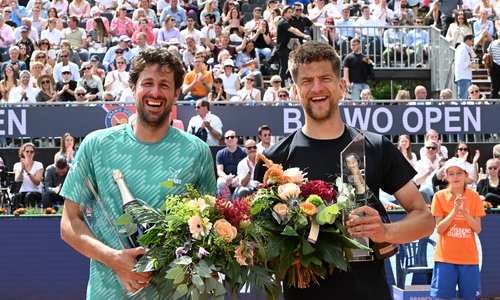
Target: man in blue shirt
x,y
18,12
419,41
178,12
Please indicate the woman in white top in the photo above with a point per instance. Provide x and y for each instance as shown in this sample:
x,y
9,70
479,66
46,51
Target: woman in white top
x,y
462,151
404,145
433,135
248,92
458,29
31,173
229,77
67,149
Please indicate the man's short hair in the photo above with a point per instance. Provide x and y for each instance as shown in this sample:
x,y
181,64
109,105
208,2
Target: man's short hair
x,y
285,9
61,163
264,127
205,103
365,7
166,61
355,40
190,17
80,88
257,9
314,52
469,37
13,48
74,18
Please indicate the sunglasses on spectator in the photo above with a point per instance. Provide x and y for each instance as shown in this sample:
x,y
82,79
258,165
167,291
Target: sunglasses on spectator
x,y
474,91
44,43
29,151
45,82
463,149
251,147
298,9
86,68
230,137
80,94
118,52
283,95
64,56
329,23
64,73
41,56
277,81
431,148
120,62
418,22
266,134
250,79
198,107
7,11
492,168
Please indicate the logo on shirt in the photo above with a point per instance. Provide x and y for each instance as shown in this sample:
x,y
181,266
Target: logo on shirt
x,y
173,175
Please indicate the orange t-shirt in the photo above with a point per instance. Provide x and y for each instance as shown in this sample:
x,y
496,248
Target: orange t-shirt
x,y
198,89
457,245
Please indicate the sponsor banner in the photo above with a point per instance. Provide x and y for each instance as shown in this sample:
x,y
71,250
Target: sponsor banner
x,y
384,119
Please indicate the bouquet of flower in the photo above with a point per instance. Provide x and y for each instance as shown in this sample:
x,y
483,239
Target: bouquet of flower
x,y
3,211
304,223
194,238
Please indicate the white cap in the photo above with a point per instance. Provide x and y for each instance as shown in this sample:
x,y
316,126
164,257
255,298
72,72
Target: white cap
x,y
455,162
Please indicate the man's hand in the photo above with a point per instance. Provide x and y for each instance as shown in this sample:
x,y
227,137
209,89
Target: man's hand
x,y
57,189
123,263
366,222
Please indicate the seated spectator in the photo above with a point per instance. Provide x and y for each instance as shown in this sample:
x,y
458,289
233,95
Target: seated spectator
x,y
271,94
168,31
329,31
106,5
404,146
66,86
235,26
8,83
31,173
426,167
177,12
462,151
108,96
205,125
25,92
122,50
345,32
117,80
248,62
64,56
80,94
369,35
50,55
404,13
91,83
402,95
121,25
74,57
262,39
47,92
366,97
248,92
419,41
55,175
32,32
283,95
226,161
145,29
396,45
138,15
17,65
433,135
41,57
17,10
190,31
485,5
53,15
383,13
97,39
79,9
209,8
475,95
130,5
119,53
218,94
67,149
7,34
458,29
198,82
23,54
36,72
52,34
96,13
483,31
76,36
141,43
149,13
216,49
246,170
229,78
36,17
209,19
190,52
489,187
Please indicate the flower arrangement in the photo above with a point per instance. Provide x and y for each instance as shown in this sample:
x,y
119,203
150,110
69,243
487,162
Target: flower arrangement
x,y
20,211
194,238
304,223
49,211
3,211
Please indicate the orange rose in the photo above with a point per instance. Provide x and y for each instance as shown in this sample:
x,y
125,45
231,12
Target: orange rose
x,y
308,209
289,190
225,230
281,209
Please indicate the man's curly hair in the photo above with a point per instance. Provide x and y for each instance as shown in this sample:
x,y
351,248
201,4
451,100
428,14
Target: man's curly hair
x,y
313,52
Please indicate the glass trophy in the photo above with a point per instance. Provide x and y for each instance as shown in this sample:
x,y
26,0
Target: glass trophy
x,y
97,219
353,172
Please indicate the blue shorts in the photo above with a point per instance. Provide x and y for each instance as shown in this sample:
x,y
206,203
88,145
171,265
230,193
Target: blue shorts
x,y
445,278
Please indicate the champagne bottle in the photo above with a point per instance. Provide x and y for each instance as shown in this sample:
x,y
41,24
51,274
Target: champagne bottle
x,y
366,197
129,202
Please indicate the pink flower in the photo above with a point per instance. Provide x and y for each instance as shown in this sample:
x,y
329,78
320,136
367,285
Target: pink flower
x,y
295,175
202,252
227,231
196,226
281,209
288,191
197,202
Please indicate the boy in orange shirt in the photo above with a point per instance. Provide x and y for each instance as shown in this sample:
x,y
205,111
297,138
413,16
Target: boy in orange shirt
x,y
458,212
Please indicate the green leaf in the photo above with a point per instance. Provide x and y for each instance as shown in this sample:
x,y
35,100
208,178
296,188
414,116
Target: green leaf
x,y
124,219
183,260
152,236
180,278
180,291
130,229
210,283
289,231
172,273
168,184
287,256
199,282
275,246
172,218
195,294
331,252
203,271
220,290
307,248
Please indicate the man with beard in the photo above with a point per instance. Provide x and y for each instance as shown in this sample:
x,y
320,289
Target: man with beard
x,y
25,92
315,148
147,151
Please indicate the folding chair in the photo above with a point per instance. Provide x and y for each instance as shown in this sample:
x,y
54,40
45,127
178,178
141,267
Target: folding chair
x,y
412,258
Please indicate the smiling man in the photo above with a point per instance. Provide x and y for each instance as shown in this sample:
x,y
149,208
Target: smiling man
x,y
148,151
316,147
